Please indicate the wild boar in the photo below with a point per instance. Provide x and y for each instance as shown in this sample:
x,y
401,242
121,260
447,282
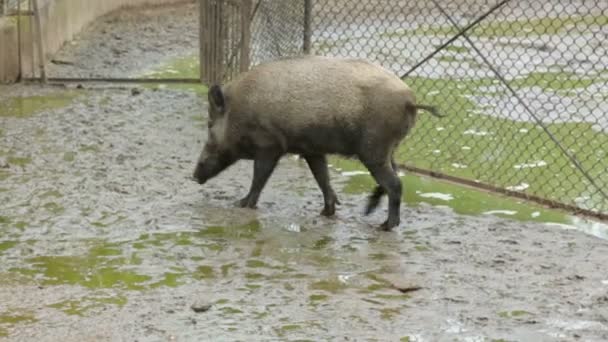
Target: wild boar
x,y
311,106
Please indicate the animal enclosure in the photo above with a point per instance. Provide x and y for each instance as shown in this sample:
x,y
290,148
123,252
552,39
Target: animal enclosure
x,y
523,82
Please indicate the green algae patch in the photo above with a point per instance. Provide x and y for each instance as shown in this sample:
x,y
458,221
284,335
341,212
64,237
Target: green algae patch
x,y
318,297
12,318
225,269
22,107
244,231
252,263
18,161
182,67
389,313
204,272
6,245
322,243
102,267
170,279
514,314
228,310
84,305
332,285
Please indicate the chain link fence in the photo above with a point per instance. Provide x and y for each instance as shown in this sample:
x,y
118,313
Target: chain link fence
x,y
8,6
525,89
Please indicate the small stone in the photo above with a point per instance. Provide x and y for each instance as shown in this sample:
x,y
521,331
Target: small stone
x,y
135,91
199,307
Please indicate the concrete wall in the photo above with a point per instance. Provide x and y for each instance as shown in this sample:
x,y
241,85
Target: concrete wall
x,y
61,20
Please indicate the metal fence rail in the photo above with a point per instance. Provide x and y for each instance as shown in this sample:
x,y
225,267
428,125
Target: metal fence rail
x,y
525,89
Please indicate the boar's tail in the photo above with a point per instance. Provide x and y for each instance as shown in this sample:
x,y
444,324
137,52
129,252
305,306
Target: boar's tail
x,y
431,109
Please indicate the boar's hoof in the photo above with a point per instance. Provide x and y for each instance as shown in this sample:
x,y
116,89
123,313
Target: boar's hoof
x,y
245,203
329,211
388,225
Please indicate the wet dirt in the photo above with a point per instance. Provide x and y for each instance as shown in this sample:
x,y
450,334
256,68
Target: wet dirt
x,y
105,237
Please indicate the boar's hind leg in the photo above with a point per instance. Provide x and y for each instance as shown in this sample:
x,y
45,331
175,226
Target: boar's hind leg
x,y
318,166
374,199
262,169
386,177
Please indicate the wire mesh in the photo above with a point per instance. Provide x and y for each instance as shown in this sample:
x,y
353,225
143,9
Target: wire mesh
x,y
544,132
8,6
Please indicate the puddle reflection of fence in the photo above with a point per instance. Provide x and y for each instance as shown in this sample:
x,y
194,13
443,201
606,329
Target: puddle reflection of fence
x,y
532,76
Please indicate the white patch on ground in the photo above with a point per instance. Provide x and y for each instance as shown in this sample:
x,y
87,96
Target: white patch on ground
x,y
500,212
432,93
604,282
523,130
466,148
294,227
577,325
436,151
354,173
535,214
530,165
440,129
519,187
437,195
459,166
475,132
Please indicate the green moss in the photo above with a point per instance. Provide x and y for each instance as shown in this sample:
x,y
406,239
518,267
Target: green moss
x,y
389,313
15,317
227,310
317,297
99,268
244,231
22,107
6,245
170,279
322,243
329,285
82,306
204,272
257,264
69,156
254,276
51,193
18,161
54,208
183,67
513,314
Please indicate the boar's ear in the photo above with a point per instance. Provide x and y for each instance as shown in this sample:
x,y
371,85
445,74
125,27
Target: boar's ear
x,y
216,96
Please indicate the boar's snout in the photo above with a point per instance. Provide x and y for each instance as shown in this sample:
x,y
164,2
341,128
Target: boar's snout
x,y
198,174
210,165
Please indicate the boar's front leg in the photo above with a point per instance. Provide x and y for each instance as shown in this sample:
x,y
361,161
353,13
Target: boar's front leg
x,y
318,166
263,166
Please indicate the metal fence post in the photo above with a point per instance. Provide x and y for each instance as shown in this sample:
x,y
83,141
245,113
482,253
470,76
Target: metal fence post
x,y
202,40
246,7
40,42
307,26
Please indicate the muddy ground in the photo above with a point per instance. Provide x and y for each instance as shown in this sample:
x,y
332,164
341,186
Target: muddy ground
x,y
105,237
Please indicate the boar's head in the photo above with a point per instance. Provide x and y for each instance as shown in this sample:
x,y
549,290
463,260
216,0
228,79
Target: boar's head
x,y
216,156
